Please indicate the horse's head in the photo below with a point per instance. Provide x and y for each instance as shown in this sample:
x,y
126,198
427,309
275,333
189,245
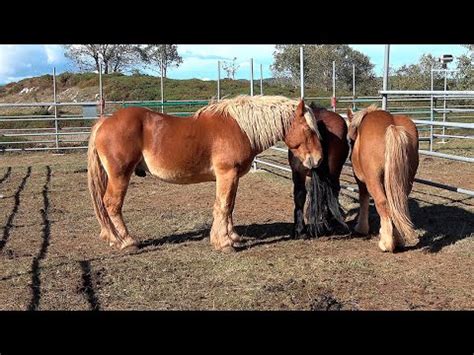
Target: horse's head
x,y
303,139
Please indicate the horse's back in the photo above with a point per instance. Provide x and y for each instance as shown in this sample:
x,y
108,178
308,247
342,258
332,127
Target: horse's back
x,y
369,148
370,145
334,123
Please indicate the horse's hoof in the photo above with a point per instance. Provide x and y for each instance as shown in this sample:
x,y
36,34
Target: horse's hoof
x,y
361,230
300,235
342,229
384,248
235,237
104,236
238,244
128,245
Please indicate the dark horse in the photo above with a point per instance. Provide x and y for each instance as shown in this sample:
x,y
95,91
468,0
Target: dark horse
x,y
323,211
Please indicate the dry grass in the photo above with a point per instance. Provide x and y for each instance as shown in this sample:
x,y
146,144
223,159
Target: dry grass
x,y
177,269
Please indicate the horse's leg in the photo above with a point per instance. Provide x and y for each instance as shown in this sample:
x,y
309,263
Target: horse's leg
x,y
226,187
387,240
113,199
299,198
230,221
362,225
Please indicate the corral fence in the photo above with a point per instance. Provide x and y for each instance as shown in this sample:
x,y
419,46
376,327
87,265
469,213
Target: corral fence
x,y
440,115
432,122
65,126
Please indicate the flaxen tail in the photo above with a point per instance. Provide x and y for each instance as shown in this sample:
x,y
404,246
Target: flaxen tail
x,y
97,180
397,180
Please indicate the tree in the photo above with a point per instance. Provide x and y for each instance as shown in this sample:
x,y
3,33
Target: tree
x,y
318,61
465,74
470,47
418,76
154,54
230,68
115,57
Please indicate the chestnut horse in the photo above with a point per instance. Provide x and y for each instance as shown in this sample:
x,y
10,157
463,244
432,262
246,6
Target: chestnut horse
x,y
218,143
384,160
323,211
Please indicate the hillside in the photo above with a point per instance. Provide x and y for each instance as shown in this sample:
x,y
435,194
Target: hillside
x,y
85,87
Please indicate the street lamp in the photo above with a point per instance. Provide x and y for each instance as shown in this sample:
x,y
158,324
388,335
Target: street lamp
x,y
445,59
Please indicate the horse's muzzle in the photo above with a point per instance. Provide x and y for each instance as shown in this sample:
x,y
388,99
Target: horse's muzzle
x,y
311,162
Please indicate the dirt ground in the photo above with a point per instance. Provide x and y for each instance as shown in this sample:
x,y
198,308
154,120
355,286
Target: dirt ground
x,y
51,257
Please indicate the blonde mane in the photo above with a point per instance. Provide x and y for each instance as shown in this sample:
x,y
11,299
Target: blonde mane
x,y
264,119
359,116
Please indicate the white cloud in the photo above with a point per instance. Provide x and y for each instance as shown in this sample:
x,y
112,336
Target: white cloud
x,y
241,51
54,53
21,61
201,60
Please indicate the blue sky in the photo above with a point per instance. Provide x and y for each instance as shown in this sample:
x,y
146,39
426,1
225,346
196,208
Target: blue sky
x,y
199,61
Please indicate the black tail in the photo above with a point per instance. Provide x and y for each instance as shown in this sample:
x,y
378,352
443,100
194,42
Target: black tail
x,y
323,207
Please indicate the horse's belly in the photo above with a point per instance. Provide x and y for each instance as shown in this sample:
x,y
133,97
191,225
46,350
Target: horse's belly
x,y
180,174
176,177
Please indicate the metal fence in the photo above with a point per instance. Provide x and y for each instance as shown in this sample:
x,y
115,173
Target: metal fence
x,y
66,126
440,115
408,102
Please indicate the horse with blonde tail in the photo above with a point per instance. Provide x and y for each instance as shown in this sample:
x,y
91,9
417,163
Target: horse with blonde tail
x,y
218,143
384,160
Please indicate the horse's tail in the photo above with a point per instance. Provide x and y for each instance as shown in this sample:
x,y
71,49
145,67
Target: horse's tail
x,y
323,206
97,181
397,179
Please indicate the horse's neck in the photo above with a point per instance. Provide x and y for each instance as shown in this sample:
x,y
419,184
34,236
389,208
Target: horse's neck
x,y
259,150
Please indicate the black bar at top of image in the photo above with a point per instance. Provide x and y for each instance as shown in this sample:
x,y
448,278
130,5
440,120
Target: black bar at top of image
x,y
240,23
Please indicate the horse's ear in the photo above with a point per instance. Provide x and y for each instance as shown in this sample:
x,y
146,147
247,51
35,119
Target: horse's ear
x,y
350,114
301,109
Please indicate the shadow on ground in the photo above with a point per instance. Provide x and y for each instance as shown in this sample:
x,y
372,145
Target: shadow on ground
x,y
442,225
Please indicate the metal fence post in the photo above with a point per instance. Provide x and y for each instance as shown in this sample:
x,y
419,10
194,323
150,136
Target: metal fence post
x,y
432,111
251,76
55,109
218,80
162,94
386,64
444,104
261,79
302,72
353,86
333,104
101,97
